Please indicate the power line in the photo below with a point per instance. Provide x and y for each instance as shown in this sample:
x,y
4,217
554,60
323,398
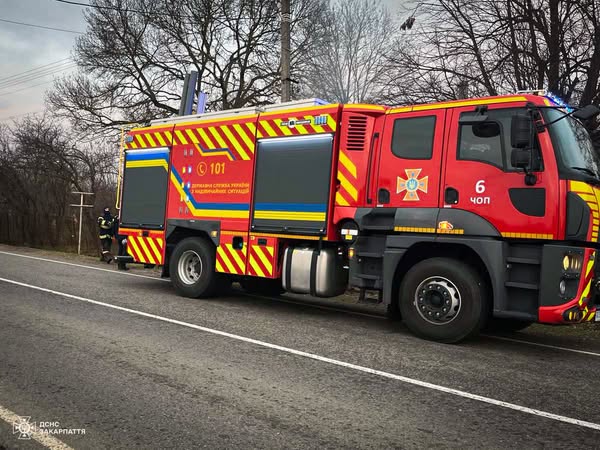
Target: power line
x,y
25,88
41,26
34,69
137,11
37,75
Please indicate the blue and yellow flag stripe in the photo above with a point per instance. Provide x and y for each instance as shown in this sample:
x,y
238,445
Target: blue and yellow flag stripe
x,y
291,211
218,210
147,158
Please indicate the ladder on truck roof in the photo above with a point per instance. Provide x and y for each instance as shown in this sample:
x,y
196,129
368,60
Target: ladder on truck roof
x,y
242,111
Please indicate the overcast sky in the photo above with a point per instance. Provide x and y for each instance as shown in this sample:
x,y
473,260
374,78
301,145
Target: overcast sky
x,y
23,48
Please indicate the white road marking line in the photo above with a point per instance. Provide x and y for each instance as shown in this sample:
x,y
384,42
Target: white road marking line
x,y
45,439
415,382
116,272
520,341
566,349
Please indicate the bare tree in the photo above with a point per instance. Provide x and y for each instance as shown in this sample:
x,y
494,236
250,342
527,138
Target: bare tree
x,y
40,164
135,54
349,62
488,47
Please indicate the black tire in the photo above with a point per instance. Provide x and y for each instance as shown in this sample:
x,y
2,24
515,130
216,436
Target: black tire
x,y
496,325
188,279
262,286
449,289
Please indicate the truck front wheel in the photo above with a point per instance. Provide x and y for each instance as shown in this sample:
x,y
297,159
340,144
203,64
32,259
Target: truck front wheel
x,y
192,268
443,299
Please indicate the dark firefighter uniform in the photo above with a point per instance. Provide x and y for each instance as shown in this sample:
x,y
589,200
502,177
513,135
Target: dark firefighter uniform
x,y
105,223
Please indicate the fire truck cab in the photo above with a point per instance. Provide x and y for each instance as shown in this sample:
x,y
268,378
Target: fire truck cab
x,y
456,213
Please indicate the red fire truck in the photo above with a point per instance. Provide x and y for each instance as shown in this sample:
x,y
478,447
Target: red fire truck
x,y
455,213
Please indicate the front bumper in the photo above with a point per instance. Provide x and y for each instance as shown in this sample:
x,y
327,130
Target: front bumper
x,y
582,306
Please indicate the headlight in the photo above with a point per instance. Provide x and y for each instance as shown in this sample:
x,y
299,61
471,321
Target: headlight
x,y
572,263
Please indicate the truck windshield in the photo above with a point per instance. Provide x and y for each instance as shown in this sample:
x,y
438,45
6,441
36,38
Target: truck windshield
x,y
573,144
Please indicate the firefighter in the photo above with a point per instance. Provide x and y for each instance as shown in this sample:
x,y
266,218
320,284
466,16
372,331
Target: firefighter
x,y
105,223
122,242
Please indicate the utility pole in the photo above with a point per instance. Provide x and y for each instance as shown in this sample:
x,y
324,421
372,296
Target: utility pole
x,y
81,206
286,18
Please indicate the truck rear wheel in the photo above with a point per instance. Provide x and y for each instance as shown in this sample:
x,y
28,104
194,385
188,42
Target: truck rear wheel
x,y
443,299
192,268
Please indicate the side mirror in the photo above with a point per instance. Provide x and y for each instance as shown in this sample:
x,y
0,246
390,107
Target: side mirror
x,y
520,131
520,158
587,112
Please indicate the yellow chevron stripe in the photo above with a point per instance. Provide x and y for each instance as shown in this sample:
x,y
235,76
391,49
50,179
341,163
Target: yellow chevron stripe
x,y
249,142
181,137
284,130
256,267
265,124
206,139
349,165
131,145
252,128
148,252
332,124
139,141
130,248
136,249
237,258
219,267
589,198
586,291
156,251
340,200
581,187
149,138
348,186
225,258
217,137
266,262
235,143
160,139
191,136
271,251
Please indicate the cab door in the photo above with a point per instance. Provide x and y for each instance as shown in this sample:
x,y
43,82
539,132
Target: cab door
x,y
479,179
410,168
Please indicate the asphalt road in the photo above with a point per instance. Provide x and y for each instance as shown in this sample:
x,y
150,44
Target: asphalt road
x,y
248,372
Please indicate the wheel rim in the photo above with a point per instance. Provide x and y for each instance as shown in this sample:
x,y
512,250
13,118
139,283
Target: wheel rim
x,y
189,267
437,300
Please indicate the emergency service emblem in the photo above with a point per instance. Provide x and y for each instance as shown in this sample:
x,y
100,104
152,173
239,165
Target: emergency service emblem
x,y
412,184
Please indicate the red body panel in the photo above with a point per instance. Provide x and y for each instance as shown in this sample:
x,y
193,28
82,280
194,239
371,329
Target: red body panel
x,y
212,165
484,189
212,169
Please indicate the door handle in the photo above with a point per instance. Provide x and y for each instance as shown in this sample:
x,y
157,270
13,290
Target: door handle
x,y
383,196
451,196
